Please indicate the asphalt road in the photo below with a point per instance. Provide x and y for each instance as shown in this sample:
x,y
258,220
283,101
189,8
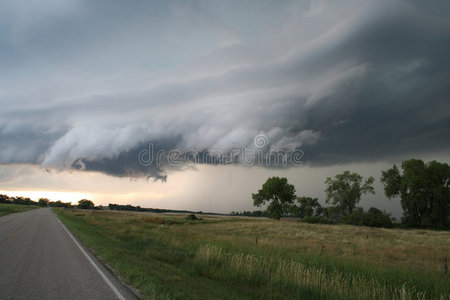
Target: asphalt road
x,y
40,259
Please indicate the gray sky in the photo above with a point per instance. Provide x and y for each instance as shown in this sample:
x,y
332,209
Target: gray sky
x,y
86,85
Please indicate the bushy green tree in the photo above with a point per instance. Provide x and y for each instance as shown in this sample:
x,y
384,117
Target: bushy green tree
x,y
373,217
423,189
59,203
279,195
43,202
377,218
5,199
332,213
356,217
345,190
85,204
23,200
306,207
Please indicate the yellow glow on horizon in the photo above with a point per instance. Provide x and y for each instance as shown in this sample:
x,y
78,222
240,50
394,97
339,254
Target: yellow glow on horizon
x,y
73,197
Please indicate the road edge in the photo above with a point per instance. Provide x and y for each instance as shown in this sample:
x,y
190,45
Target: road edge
x,y
99,265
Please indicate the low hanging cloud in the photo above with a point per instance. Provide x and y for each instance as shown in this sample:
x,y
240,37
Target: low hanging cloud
x,y
342,82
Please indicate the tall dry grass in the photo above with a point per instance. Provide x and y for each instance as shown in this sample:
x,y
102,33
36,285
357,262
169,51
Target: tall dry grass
x,y
347,286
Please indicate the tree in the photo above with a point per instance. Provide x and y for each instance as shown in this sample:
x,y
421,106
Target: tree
x,y
332,213
43,202
377,218
374,218
5,199
346,189
424,191
59,203
279,195
85,204
307,207
22,200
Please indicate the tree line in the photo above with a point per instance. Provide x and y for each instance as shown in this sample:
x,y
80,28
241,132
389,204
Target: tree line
x,y
83,203
423,190
129,207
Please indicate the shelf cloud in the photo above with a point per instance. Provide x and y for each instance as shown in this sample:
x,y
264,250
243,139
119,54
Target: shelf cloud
x,y
89,84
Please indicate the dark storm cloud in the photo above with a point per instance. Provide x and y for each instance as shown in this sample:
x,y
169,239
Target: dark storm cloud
x,y
88,85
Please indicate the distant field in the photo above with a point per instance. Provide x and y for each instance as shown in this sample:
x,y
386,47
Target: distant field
x,y
167,256
6,209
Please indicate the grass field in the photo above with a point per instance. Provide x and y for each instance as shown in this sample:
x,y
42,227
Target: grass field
x,y
6,209
167,256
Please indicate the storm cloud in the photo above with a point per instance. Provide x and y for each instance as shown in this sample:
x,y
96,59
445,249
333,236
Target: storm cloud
x,y
89,84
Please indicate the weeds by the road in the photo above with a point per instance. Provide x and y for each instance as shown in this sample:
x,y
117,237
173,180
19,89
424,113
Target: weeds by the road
x,y
6,208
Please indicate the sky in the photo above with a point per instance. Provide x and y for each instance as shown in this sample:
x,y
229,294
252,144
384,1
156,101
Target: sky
x,y
124,101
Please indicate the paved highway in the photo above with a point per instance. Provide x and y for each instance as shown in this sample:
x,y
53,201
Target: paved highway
x,y
40,259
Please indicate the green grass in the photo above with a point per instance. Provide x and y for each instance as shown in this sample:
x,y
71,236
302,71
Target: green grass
x,y
166,256
6,209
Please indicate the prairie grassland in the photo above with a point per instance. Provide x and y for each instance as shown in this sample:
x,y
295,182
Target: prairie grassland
x,y
6,208
167,256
